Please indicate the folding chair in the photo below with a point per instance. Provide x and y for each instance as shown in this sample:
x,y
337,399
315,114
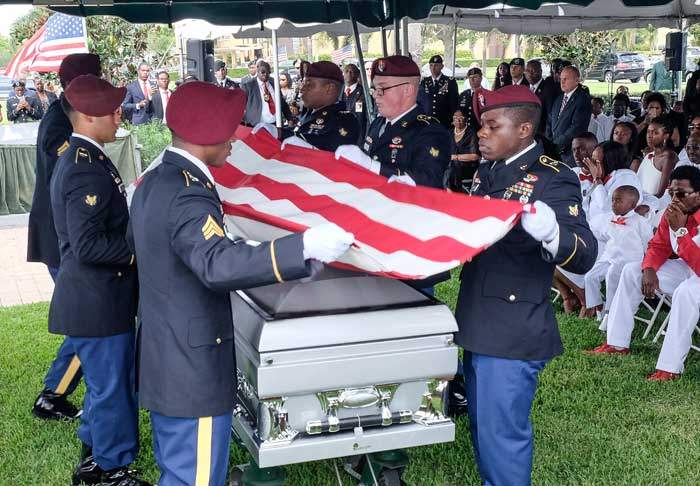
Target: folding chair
x,y
557,295
664,299
662,332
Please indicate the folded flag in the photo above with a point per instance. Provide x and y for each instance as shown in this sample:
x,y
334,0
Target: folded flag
x,y
400,231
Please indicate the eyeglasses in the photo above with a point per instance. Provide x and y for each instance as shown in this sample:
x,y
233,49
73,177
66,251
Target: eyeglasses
x,y
679,194
694,126
381,90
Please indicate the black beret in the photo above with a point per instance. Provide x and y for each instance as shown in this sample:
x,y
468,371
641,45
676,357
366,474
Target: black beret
x,y
436,59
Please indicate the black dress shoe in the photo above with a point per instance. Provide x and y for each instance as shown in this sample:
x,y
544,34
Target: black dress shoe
x,y
87,472
122,477
50,406
456,398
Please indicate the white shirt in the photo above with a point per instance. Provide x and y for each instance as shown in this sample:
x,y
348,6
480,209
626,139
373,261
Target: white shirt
x,y
533,87
351,87
265,115
164,97
624,243
84,137
200,165
148,91
526,149
519,81
600,126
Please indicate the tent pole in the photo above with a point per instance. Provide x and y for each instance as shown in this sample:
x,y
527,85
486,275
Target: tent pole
x,y
404,37
361,59
454,46
397,28
276,77
385,52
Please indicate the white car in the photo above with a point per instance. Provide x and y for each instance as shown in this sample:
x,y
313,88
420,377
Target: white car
x,y
460,72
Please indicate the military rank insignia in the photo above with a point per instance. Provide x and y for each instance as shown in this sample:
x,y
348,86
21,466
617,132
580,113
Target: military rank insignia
x,y
573,210
62,148
82,155
212,228
343,132
91,199
434,151
530,178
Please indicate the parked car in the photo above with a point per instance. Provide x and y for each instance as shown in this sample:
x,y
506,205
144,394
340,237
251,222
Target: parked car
x,y
613,67
460,72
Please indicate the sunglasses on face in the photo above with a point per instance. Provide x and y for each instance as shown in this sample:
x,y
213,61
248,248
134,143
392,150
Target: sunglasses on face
x,y
679,194
694,126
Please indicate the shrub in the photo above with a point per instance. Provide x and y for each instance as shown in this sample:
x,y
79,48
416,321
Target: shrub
x,y
153,137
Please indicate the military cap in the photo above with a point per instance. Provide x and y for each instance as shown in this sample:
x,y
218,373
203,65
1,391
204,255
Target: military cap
x,y
325,70
507,96
18,83
219,65
517,61
94,96
475,71
74,65
436,59
400,66
212,126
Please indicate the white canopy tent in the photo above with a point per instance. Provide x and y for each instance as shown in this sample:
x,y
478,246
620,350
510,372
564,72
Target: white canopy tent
x,y
288,29
564,18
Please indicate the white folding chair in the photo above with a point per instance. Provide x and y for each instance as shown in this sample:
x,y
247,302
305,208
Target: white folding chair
x,y
662,332
557,295
664,299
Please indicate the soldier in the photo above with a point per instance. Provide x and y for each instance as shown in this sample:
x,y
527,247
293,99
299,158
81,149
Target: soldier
x,y
222,80
464,104
506,323
438,94
52,140
354,97
403,143
94,300
187,266
20,107
326,123
517,69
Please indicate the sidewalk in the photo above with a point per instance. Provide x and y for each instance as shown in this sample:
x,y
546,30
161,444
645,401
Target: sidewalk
x,y
20,282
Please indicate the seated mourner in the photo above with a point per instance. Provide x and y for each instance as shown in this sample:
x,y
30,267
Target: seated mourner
x,y
464,149
20,107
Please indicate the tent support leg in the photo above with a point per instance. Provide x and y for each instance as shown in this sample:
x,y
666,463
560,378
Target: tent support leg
x,y
454,46
361,59
276,77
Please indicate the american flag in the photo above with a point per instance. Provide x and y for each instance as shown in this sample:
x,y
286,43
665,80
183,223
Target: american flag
x,y
400,231
343,53
43,52
282,54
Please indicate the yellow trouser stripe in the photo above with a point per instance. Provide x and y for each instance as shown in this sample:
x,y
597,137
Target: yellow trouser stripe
x,y
204,436
68,376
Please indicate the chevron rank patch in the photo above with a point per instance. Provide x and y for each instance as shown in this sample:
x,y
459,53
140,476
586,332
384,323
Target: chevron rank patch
x,y
62,148
212,228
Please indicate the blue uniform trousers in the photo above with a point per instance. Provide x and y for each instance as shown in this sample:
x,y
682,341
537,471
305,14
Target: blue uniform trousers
x,y
109,423
191,451
64,373
499,398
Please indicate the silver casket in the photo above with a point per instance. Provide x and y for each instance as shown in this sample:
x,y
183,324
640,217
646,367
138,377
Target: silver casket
x,y
340,365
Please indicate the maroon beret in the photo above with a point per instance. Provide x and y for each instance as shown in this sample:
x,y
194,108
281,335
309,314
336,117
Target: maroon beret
x,y
401,66
507,96
205,114
74,65
325,70
94,96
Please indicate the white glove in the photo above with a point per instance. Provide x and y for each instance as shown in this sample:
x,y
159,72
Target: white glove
x,y
326,242
354,154
542,224
403,179
266,126
299,142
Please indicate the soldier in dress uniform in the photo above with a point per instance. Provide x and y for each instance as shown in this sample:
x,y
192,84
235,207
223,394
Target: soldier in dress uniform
x,y
52,140
326,123
464,103
221,77
506,323
403,143
94,300
187,266
438,94
354,97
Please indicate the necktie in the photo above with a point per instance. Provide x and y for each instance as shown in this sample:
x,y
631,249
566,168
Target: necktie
x,y
563,103
269,100
383,128
145,90
347,91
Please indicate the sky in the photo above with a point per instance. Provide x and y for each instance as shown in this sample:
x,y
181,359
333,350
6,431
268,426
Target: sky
x,y
10,13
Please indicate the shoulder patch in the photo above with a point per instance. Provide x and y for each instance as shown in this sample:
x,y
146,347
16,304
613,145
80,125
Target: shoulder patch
x,y
62,148
549,162
82,155
211,228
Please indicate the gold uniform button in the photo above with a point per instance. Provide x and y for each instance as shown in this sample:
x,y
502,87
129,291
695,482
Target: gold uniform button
x,y
218,340
511,297
119,274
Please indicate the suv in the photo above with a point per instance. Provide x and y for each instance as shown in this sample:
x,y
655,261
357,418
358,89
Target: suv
x,y
612,67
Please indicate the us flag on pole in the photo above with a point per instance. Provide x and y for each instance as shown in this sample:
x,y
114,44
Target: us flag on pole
x,y
400,231
340,54
60,36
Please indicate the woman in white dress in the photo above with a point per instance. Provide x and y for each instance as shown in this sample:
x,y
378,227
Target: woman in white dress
x,y
655,168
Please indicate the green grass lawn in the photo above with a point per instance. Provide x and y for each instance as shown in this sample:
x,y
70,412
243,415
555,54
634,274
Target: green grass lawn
x,y
596,420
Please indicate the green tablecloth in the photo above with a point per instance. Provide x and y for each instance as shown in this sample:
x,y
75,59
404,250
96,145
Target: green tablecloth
x,y
18,161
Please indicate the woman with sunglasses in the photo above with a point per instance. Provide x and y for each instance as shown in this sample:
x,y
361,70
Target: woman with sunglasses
x,y
655,169
693,129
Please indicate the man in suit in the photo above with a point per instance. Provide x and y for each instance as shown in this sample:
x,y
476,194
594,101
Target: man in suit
x,y
95,297
138,96
570,115
187,267
438,95
403,144
507,326
252,72
260,90
326,124
52,141
22,107
222,79
544,89
354,97
159,100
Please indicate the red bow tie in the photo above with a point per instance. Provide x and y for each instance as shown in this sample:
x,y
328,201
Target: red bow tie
x,y
619,220
585,177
